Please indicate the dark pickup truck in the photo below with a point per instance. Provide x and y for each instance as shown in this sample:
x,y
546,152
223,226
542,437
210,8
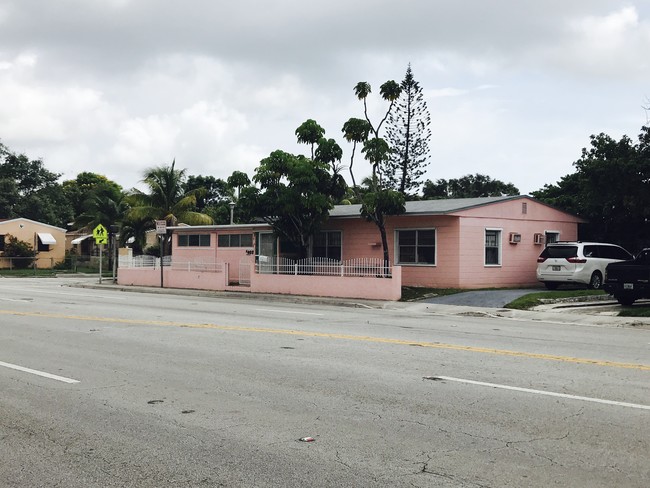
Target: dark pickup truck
x,y
629,280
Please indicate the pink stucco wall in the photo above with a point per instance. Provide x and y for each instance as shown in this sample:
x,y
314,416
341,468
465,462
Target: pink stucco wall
x,y
229,255
325,286
330,286
173,278
460,243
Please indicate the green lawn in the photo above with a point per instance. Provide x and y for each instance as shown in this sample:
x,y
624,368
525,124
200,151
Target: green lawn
x,y
48,273
412,293
635,311
534,299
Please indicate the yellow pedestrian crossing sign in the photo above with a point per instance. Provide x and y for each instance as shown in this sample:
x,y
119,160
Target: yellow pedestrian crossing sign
x,y
100,234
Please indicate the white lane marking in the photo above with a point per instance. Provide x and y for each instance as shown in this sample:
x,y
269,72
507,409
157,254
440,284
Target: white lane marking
x,y
38,373
76,294
287,311
541,392
17,299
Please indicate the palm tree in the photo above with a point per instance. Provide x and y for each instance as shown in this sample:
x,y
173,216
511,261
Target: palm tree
x,y
102,209
166,199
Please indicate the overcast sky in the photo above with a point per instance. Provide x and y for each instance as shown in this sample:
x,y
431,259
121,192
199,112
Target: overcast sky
x,y
514,88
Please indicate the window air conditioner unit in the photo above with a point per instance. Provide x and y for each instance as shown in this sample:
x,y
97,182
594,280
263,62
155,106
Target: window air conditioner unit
x,y
515,238
538,239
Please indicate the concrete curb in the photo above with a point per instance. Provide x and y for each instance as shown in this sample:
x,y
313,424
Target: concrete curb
x,y
236,295
559,313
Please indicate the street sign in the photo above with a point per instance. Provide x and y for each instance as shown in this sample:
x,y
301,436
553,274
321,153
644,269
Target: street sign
x,y
161,227
100,234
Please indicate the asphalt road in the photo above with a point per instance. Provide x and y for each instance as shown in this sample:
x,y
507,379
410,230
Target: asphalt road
x,y
164,390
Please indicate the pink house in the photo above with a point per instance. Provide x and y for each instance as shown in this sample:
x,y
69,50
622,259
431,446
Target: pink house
x,y
453,243
458,243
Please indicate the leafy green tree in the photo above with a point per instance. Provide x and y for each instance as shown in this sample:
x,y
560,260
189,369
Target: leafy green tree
x,y
468,186
238,180
310,133
295,196
88,187
408,134
329,152
212,196
15,248
378,202
28,189
610,189
355,131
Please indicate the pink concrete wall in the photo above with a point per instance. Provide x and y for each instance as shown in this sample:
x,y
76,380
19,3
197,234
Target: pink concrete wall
x,y
208,253
460,243
233,256
325,286
230,255
139,276
173,278
330,286
518,261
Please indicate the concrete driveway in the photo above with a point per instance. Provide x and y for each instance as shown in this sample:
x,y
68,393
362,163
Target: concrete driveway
x,y
482,298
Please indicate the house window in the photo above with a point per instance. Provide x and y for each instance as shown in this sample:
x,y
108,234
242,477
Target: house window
x,y
417,246
551,236
524,208
327,244
492,247
235,240
2,242
194,240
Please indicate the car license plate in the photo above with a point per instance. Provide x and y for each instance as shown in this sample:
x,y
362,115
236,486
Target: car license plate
x,y
556,268
628,286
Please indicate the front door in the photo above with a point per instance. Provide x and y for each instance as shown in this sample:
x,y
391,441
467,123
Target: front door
x,y
267,252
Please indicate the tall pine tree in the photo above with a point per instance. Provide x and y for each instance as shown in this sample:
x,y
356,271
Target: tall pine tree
x,y
408,134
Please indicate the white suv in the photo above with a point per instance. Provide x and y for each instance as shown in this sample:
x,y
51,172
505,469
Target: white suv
x,y
577,262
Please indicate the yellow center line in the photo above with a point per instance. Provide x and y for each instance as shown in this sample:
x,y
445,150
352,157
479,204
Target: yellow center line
x,y
348,337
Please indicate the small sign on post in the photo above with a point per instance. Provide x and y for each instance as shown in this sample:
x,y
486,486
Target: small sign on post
x,y
101,237
100,234
161,231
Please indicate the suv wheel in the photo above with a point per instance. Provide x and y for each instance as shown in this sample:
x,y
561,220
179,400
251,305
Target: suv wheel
x,y
596,281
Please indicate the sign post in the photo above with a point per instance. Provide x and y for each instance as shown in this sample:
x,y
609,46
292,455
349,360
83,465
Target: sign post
x,y
161,231
101,237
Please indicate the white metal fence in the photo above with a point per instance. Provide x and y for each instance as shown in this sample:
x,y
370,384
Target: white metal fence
x,y
153,262
362,267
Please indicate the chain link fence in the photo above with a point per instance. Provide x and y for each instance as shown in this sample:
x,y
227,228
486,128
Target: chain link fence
x,y
72,263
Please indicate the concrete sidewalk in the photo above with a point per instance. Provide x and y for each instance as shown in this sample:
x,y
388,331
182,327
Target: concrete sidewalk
x,y
590,313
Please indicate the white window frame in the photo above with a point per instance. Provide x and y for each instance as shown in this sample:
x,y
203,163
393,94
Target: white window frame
x,y
396,246
499,247
547,232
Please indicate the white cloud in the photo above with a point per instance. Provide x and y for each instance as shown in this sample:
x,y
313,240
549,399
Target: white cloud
x,y
119,86
614,45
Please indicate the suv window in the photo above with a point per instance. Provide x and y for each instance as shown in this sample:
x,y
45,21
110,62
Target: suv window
x,y
614,252
592,252
560,252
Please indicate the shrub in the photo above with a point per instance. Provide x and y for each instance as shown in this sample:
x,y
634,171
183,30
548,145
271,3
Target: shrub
x,y
18,249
